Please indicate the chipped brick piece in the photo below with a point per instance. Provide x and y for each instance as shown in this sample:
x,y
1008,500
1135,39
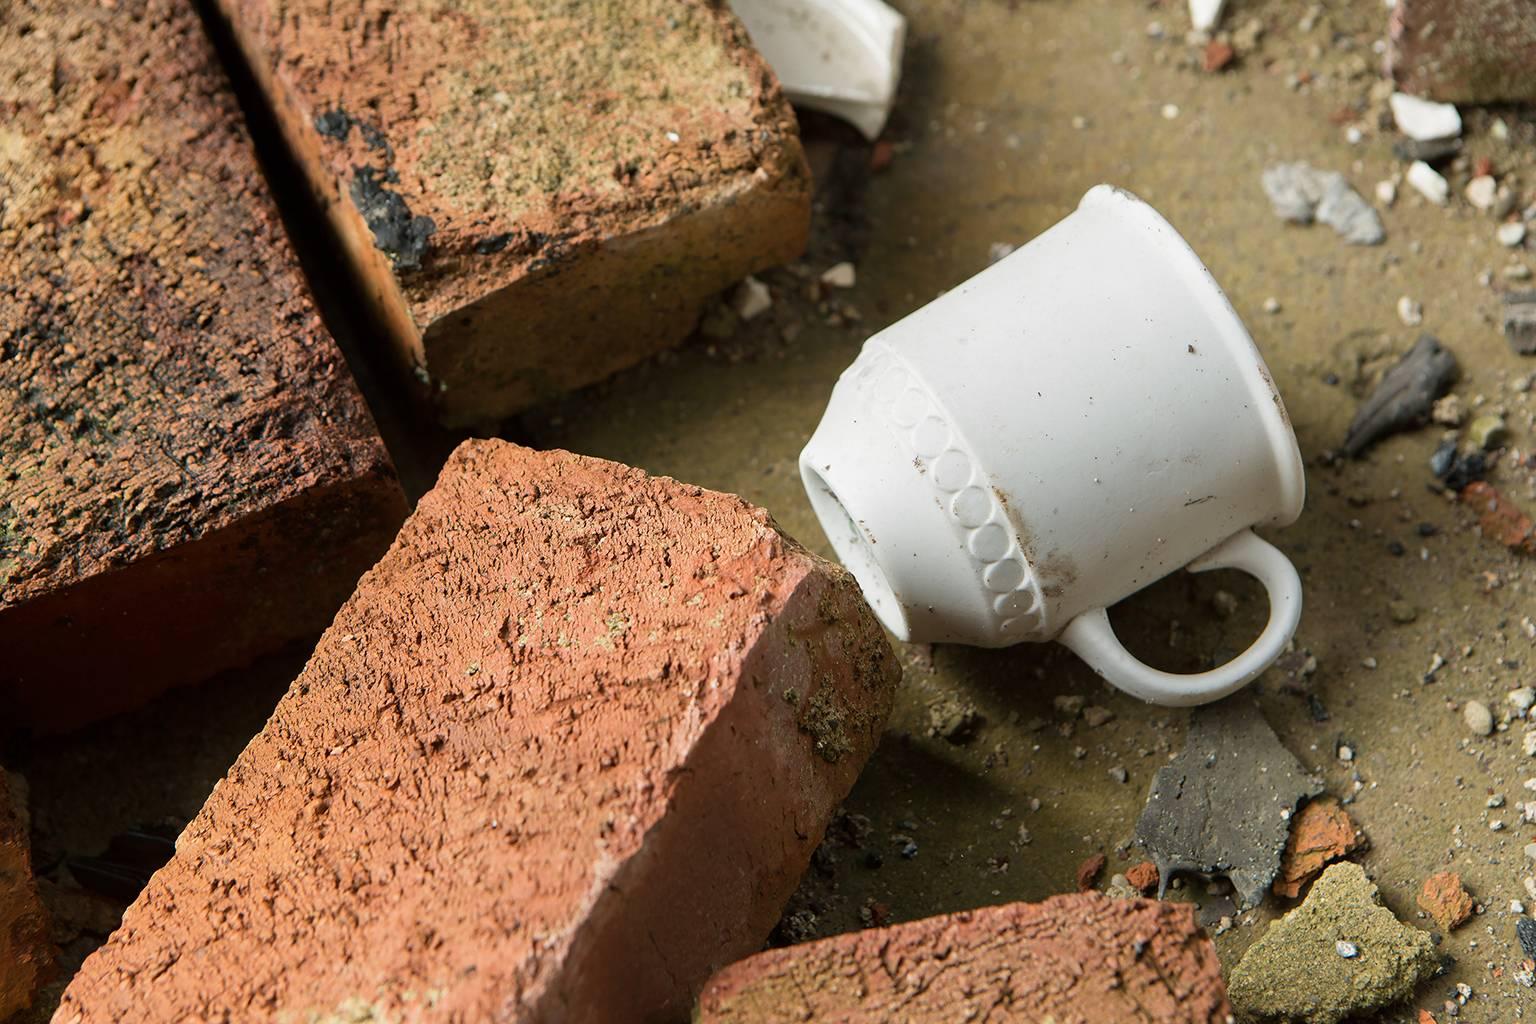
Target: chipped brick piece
x,y
566,751
1143,877
536,192
1446,900
188,475
1081,959
1464,51
1321,833
26,957
1089,870
1500,519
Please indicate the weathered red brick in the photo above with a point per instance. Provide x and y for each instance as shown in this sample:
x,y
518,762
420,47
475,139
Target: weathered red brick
x,y
1080,959
1500,519
567,750
188,475
537,193
26,957
1464,51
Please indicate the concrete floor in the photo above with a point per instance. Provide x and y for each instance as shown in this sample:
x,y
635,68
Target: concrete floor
x,y
988,151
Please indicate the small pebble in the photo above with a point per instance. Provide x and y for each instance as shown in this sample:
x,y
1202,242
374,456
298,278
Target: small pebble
x,y
1402,612
1487,432
1525,931
1347,950
1119,774
1409,312
1510,236
1428,182
1170,111
1528,743
1424,120
752,298
1482,191
1386,192
1346,754
839,275
1478,718
1523,698
1516,907
1271,305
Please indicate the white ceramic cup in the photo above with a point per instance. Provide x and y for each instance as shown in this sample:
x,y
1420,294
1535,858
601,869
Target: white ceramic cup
x,y
1080,419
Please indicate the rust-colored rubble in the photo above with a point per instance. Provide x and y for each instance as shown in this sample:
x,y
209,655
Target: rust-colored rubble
x,y
566,751
188,475
536,193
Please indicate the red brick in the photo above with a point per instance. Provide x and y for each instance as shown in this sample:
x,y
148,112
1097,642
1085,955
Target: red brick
x,y
573,181
1321,833
1080,959
1445,899
188,475
567,750
1464,51
26,957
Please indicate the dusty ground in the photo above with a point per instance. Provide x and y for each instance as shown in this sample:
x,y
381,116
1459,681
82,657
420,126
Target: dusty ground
x,y
988,151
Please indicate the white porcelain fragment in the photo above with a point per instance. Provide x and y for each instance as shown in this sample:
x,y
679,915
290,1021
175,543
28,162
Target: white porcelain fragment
x,y
838,56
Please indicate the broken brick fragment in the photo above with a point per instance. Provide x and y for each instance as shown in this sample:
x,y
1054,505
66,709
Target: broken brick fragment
x,y
1321,833
535,194
1217,55
1464,51
566,751
189,475
1143,877
1077,959
1089,870
1501,520
26,956
1445,899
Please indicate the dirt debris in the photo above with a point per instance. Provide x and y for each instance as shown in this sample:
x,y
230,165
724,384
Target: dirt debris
x,y
1321,833
1500,519
1088,872
1294,972
1446,900
1143,877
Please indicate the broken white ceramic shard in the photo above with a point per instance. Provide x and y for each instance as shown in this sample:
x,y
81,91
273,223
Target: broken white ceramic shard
x,y
1205,13
838,56
1425,120
1428,182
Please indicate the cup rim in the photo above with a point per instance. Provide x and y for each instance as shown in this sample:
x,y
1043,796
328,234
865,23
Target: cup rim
x,y
1218,309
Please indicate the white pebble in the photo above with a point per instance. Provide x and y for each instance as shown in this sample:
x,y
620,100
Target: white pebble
x,y
1510,235
752,298
1516,907
1170,111
1528,743
1482,191
999,250
1523,698
1204,14
1428,182
1478,718
1271,305
1346,754
1409,312
1386,192
1496,825
1424,120
839,275
1347,950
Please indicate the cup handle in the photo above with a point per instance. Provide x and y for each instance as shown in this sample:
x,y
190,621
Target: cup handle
x,y
1092,638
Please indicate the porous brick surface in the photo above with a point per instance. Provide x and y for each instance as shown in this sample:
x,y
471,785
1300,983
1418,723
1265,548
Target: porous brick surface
x,y
1464,51
535,192
25,954
1080,959
188,475
565,752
